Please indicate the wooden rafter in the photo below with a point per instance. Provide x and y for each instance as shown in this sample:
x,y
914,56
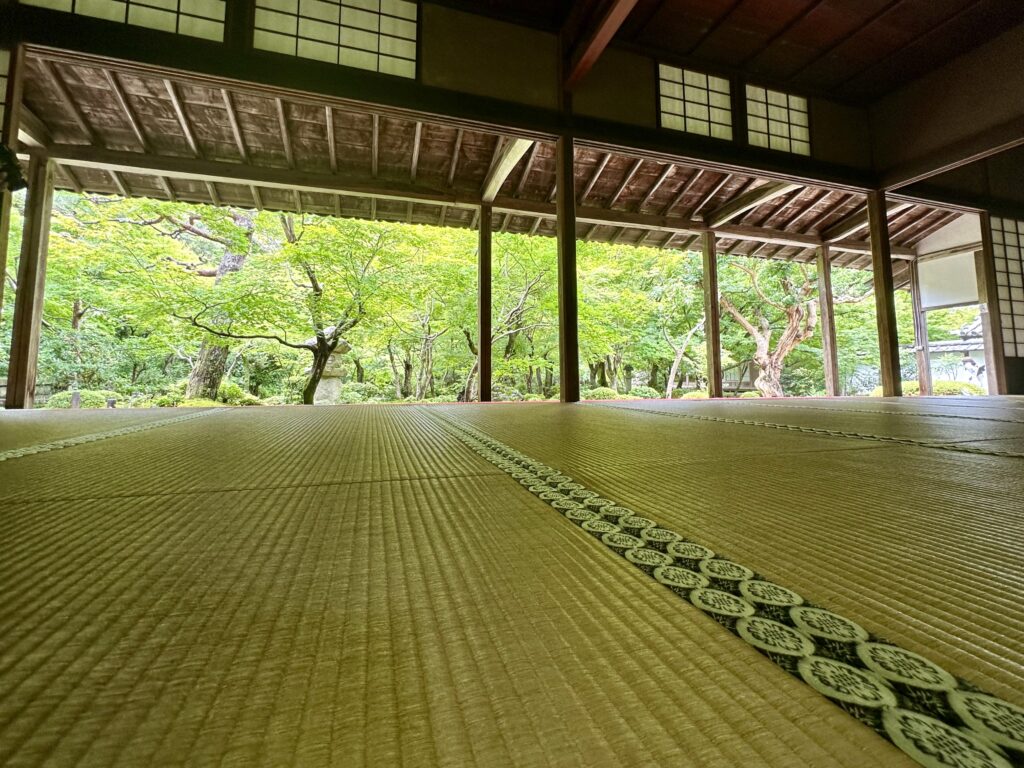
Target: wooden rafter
x,y
165,185
122,188
746,201
67,101
286,135
781,32
414,166
931,229
683,190
256,197
708,196
183,121
236,129
856,221
667,171
521,185
122,100
374,145
584,52
297,200
332,149
75,183
601,165
507,155
455,157
633,169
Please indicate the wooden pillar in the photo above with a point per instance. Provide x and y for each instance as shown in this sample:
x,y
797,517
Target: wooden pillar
x,y
924,358
28,304
885,305
988,301
712,319
826,311
12,64
568,309
483,305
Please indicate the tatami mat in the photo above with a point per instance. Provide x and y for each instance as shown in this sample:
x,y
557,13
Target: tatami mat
x,y
353,586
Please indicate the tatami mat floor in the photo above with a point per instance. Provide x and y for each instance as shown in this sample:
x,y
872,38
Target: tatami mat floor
x,y
356,586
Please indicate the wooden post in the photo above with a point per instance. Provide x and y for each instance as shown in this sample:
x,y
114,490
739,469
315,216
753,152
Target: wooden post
x,y
826,311
885,305
14,63
924,358
483,305
712,319
28,303
988,301
568,309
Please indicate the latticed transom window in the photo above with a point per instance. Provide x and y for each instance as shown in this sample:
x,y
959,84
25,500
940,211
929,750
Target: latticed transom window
x,y
778,120
695,102
379,35
196,18
1008,247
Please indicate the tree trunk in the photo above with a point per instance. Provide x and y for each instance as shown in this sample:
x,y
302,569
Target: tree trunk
x,y
627,380
205,378
769,380
673,373
316,372
593,374
652,380
602,374
360,372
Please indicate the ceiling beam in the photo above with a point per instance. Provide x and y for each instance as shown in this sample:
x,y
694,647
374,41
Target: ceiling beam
x,y
587,46
748,201
332,150
414,166
667,171
211,189
455,157
526,169
32,130
122,101
374,145
67,101
183,121
236,129
286,136
857,220
709,195
601,165
507,157
686,187
633,169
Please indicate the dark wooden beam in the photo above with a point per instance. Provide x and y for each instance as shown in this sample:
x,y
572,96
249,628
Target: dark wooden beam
x,y
683,190
712,317
858,220
28,303
186,125
922,353
508,155
781,32
10,126
826,313
122,100
257,198
988,299
286,135
748,201
667,171
211,190
601,165
455,157
332,149
633,169
885,304
483,306
708,196
31,131
568,308
414,166
297,198
236,129
122,188
165,185
584,51
374,145
73,179
521,185
67,101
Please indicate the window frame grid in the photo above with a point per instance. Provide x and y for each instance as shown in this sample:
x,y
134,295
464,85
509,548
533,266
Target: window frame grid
x,y
764,99
176,12
1008,258
297,37
684,101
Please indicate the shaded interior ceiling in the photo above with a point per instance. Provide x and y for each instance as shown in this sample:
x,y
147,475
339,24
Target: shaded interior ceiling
x,y
123,129
855,50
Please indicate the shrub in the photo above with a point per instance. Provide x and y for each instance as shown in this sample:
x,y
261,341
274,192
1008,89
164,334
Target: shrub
x,y
601,393
349,397
363,388
532,397
200,402
170,400
646,393
231,393
504,394
751,393
694,394
940,388
91,398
